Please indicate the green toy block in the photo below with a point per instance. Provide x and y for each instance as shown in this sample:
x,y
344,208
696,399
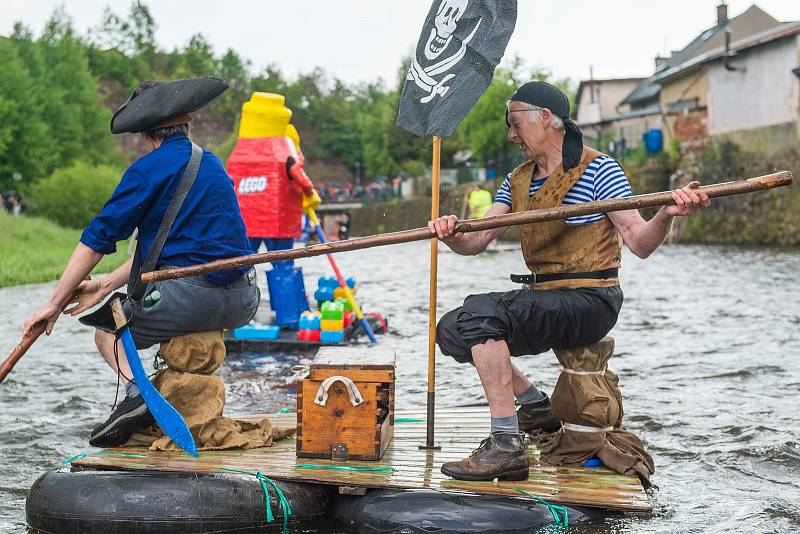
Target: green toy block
x,y
345,303
332,311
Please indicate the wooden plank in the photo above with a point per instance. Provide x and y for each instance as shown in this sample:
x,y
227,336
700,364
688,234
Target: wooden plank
x,y
590,496
354,358
356,375
411,468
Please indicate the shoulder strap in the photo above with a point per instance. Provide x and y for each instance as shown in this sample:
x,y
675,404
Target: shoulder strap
x,y
187,180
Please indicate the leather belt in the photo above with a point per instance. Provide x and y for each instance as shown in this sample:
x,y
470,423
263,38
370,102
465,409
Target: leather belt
x,y
533,278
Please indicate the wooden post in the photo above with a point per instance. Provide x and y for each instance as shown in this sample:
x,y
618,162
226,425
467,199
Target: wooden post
x,y
437,153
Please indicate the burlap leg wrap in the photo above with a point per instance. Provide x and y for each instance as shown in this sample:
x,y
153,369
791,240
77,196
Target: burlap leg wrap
x,y
189,385
587,395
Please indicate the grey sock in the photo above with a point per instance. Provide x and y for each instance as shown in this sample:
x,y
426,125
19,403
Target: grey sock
x,y
505,424
131,390
531,395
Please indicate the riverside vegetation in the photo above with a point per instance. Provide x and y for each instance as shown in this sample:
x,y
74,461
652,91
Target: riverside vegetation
x,y
33,249
61,88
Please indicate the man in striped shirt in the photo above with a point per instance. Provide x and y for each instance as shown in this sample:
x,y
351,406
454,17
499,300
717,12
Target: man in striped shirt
x,y
604,179
577,297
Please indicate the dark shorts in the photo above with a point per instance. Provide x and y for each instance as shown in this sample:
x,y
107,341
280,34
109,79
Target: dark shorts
x,y
190,305
530,321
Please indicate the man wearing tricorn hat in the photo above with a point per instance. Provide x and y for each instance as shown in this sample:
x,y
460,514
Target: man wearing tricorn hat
x,y
176,182
572,298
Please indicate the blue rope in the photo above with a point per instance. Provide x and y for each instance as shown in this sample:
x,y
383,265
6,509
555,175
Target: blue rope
x,y
554,509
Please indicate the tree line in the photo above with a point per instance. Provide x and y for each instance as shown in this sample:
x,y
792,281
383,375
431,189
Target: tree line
x,y
59,89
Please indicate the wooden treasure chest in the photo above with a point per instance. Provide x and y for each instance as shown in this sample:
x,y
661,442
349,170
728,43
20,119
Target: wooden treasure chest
x,y
345,407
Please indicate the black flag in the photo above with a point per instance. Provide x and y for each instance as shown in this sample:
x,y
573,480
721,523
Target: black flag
x,y
462,42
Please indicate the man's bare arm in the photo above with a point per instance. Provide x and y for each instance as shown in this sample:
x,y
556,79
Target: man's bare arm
x,y
644,237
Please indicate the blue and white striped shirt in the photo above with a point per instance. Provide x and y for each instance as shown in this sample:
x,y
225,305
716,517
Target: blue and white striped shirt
x,y
602,179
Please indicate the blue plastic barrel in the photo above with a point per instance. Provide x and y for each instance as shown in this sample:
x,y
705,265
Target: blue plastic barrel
x,y
654,141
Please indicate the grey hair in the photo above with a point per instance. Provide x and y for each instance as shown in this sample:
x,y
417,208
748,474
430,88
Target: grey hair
x,y
555,121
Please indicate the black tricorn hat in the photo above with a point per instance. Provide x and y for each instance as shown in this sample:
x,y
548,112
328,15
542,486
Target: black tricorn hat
x,y
154,102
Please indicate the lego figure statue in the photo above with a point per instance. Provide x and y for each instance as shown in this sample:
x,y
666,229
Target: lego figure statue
x,y
267,169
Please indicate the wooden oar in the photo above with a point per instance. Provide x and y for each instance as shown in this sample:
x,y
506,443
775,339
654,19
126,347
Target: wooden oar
x,y
760,183
26,343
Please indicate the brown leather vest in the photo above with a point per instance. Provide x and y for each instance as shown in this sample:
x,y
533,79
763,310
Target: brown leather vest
x,y
558,247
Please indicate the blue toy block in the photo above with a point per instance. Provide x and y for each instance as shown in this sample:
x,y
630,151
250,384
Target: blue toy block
x,y
309,321
331,336
252,331
323,294
327,281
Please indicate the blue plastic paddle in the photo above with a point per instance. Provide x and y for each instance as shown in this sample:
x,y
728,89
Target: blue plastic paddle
x,y
163,412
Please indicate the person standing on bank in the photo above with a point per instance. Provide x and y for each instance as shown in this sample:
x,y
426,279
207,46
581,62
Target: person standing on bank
x,y
208,226
575,263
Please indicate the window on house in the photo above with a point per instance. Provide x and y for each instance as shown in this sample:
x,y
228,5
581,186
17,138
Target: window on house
x,y
683,106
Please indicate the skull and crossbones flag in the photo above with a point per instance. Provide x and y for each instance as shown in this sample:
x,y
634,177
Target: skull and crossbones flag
x,y
462,42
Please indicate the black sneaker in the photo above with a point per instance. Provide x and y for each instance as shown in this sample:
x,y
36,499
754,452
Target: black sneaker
x,y
131,415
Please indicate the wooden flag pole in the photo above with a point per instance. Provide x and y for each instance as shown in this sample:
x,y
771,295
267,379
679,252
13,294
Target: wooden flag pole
x,y
435,165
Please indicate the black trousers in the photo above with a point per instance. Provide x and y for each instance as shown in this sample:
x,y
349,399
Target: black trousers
x,y
530,321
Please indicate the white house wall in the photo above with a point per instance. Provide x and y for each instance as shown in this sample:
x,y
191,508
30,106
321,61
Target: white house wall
x,y
767,93
608,95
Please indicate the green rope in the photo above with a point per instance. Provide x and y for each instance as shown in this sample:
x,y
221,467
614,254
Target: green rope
x,y
106,453
408,420
264,480
554,509
284,410
346,467
285,506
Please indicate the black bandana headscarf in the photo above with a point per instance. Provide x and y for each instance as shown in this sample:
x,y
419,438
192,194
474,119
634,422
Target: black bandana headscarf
x,y
544,95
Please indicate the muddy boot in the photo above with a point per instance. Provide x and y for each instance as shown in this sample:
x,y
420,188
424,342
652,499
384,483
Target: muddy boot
x,y
537,417
502,455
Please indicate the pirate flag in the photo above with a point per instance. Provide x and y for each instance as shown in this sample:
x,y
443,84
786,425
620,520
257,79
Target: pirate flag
x,y
462,42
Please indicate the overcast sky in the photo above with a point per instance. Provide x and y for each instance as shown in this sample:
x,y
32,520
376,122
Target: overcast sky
x,y
360,40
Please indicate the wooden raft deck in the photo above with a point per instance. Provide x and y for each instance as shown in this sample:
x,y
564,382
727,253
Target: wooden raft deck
x,y
457,430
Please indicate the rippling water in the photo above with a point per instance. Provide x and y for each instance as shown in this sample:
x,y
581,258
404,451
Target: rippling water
x,y
707,353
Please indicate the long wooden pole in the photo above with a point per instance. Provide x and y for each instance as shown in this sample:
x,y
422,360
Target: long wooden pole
x,y
21,348
760,183
435,167
27,341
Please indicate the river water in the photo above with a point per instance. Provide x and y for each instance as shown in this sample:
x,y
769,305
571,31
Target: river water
x,y
707,353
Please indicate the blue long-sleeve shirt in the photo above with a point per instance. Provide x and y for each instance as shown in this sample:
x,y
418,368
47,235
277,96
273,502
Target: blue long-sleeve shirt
x,y
208,227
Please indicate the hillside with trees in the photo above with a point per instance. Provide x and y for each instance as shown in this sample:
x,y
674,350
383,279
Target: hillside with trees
x,y
60,88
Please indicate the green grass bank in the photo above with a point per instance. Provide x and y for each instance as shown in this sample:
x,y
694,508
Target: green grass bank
x,y
35,250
